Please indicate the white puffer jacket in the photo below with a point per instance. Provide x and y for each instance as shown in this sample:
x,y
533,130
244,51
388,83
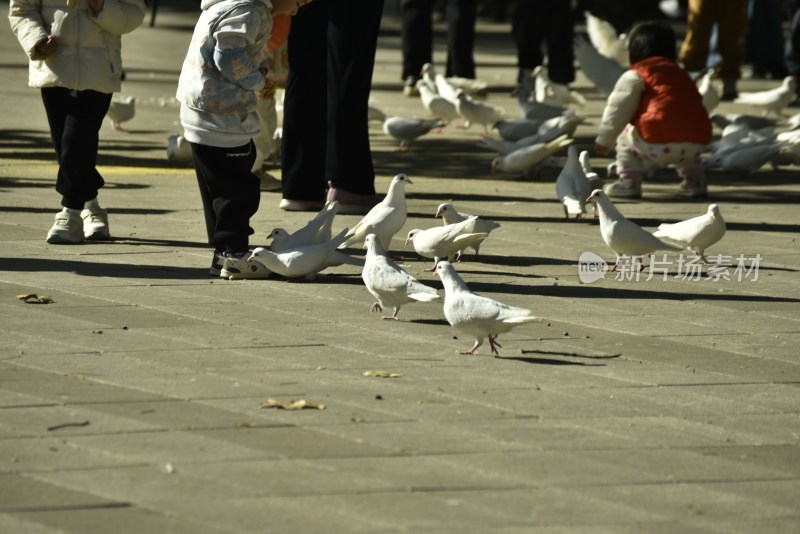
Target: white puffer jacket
x,y
89,46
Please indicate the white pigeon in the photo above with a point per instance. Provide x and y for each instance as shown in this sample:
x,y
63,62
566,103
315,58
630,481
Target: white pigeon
x,y
595,181
476,315
624,237
752,122
697,233
450,215
120,110
476,112
602,71
771,100
516,129
552,93
472,86
435,104
565,123
406,129
793,122
390,283
709,91
605,39
444,242
529,108
445,88
298,262
527,158
572,187
386,218
316,230
179,151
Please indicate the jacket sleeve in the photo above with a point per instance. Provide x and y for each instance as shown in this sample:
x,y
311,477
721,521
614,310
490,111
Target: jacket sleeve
x,y
620,109
28,26
119,17
230,54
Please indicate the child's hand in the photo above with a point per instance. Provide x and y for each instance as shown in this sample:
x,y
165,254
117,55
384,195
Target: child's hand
x,y
602,150
47,47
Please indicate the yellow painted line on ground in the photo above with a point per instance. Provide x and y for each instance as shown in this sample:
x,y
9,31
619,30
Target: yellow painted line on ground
x,y
51,169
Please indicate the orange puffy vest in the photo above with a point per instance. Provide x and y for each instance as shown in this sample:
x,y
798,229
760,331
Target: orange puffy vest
x,y
671,109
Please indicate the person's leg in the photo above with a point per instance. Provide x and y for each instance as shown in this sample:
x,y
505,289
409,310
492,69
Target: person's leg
x,y
793,46
352,41
305,107
75,123
765,43
732,34
527,29
460,38
632,163
559,36
230,194
416,35
695,47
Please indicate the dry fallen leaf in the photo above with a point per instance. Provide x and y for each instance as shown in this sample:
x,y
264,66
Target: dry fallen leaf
x,y
301,404
381,374
33,298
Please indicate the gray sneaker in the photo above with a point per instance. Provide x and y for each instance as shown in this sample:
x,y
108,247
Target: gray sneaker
x,y
236,267
95,224
67,228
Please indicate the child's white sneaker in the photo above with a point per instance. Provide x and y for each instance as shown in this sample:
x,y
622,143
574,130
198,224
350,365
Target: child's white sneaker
x,y
67,228
95,222
236,267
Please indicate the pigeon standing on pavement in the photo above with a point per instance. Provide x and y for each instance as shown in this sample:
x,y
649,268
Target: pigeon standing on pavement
x,y
435,104
178,150
298,262
554,94
450,215
390,283
406,129
624,237
572,187
476,315
514,130
121,110
444,242
772,100
476,112
697,233
385,218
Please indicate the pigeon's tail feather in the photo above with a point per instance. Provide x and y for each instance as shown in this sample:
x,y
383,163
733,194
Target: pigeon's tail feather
x,y
521,319
574,207
424,297
340,258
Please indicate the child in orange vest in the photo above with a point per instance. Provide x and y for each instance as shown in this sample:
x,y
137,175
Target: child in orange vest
x,y
656,116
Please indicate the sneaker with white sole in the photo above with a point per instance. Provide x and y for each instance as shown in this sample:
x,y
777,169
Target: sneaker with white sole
x,y
95,223
236,267
216,264
67,228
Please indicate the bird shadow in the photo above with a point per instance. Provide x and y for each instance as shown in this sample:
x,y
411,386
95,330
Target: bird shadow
x,y
431,322
590,292
547,361
123,270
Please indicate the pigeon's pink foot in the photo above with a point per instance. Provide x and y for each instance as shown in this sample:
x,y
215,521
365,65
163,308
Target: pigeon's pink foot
x,y
376,308
390,318
494,344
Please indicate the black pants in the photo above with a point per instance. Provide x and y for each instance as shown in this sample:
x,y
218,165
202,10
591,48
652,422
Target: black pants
x,y
75,120
549,23
417,36
230,193
325,135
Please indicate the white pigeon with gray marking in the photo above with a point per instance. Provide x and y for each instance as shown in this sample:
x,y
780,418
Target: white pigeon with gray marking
x,y
772,100
444,242
121,109
298,262
572,187
407,129
476,315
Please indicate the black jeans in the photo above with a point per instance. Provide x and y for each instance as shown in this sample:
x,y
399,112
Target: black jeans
x,y
549,23
230,193
75,119
325,134
417,36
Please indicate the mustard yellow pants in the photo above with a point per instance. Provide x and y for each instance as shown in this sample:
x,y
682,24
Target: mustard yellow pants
x,y
731,19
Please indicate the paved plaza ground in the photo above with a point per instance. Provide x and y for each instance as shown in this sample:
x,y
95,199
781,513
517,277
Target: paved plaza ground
x,y
132,402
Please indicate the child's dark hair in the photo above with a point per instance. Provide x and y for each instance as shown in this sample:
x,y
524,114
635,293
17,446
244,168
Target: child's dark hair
x,y
650,39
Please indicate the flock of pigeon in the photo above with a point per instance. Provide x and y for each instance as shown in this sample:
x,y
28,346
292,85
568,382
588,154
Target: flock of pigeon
x,y
313,248
548,118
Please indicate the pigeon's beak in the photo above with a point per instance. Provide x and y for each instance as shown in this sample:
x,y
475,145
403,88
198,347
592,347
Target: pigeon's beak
x,y
407,241
438,214
408,180
250,258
